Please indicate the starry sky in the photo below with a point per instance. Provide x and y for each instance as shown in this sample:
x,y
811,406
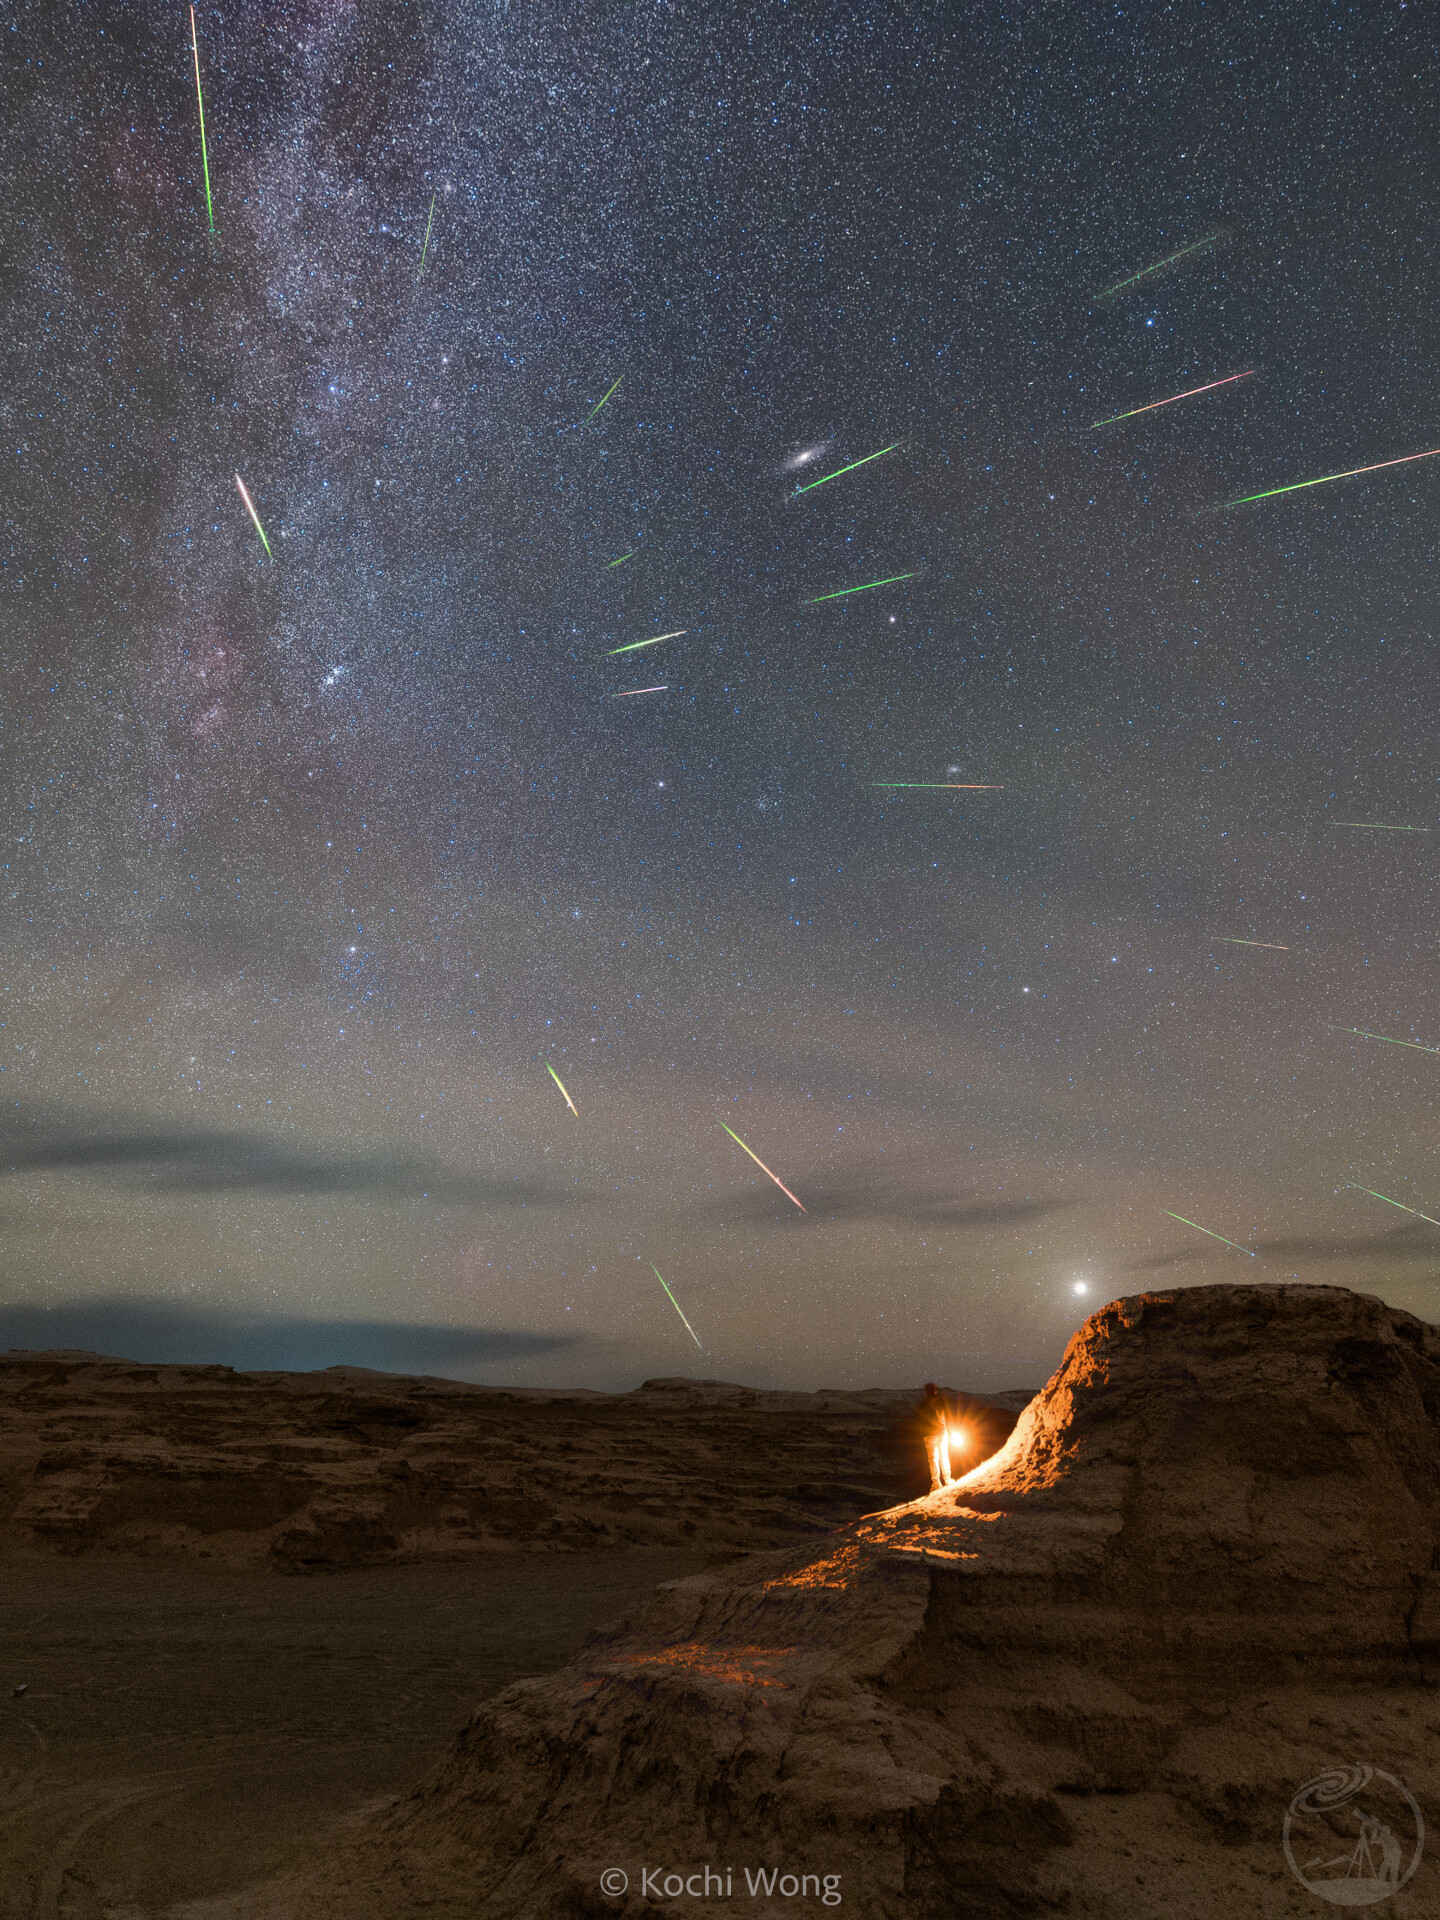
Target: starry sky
x,y
315,858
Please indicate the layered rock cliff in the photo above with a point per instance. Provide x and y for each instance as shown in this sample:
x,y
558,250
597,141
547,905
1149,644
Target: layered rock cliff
x,y
343,1468
1087,1680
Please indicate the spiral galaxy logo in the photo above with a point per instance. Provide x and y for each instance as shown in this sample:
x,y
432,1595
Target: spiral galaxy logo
x,y
1353,1835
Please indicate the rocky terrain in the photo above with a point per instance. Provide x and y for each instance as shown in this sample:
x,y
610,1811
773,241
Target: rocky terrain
x,y
1088,1681
346,1468
176,1721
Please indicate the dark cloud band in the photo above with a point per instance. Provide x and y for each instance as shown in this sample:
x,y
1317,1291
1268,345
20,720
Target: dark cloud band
x,y
163,1331
215,1161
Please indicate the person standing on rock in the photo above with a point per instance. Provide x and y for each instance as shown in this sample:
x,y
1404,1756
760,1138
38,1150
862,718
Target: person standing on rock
x,y
935,1422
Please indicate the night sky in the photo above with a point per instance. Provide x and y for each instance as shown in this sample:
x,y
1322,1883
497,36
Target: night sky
x,y
312,863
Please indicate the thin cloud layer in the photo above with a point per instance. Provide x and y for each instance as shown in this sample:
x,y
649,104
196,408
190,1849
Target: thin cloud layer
x,y
159,1330
221,1161
884,1204
1410,1243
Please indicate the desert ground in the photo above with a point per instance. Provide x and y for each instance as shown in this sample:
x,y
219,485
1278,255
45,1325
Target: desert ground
x,y
347,1648
243,1607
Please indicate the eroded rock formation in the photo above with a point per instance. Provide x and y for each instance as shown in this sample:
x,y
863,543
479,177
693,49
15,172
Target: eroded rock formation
x,y
344,1468
1086,1681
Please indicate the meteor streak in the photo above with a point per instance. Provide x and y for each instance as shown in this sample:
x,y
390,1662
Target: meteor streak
x,y
763,1168
888,581
630,692
623,558
1133,279
636,644
940,786
596,408
1364,1035
1380,826
1249,1251
810,485
676,1304
1231,940
1392,1203
1324,480
426,248
561,1084
1189,394
204,150
250,509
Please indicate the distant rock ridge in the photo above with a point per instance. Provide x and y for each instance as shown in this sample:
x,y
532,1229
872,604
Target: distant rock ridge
x,y
317,1472
1086,1681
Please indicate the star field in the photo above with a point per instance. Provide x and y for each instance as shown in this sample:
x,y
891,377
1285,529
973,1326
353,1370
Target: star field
x,y
315,859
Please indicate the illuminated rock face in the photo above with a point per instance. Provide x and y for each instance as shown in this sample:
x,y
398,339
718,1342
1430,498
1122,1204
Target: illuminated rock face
x,y
1089,1679
1265,1454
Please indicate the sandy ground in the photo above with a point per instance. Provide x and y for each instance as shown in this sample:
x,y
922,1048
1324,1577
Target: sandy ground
x,y
188,1729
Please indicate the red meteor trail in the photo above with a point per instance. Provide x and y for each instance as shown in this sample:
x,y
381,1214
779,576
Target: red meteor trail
x,y
250,509
1190,393
630,692
1324,479
763,1168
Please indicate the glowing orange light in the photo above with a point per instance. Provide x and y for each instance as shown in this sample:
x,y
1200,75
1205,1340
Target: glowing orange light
x,y
736,1666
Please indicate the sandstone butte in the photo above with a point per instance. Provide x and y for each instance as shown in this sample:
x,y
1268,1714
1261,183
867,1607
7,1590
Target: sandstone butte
x,y
1086,1681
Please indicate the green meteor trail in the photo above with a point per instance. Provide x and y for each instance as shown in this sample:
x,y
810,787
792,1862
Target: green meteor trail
x,y
592,413
561,1084
1248,1251
1233,940
204,150
1382,1036
250,509
888,581
811,485
1392,1203
623,558
940,786
1189,394
676,1304
634,644
426,248
1324,480
1380,826
1133,279
762,1166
